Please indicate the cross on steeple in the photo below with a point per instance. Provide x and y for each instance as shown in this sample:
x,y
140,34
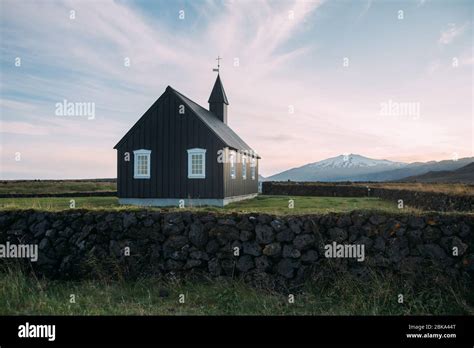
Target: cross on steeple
x,y
218,64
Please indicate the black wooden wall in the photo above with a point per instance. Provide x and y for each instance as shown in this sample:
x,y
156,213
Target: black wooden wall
x,y
169,135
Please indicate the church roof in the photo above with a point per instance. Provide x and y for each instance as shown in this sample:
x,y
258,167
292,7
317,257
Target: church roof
x,y
219,128
218,93
222,130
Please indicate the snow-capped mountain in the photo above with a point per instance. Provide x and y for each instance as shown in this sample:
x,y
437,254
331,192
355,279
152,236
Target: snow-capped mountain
x,y
354,161
355,167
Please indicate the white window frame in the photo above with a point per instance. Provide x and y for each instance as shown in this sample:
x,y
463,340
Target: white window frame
x,y
141,152
196,151
244,167
253,168
232,167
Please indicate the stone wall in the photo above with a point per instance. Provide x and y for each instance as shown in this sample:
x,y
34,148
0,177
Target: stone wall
x,y
271,250
433,201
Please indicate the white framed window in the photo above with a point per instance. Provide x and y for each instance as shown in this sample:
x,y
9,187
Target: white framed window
x,y
253,166
141,164
232,164
196,163
244,167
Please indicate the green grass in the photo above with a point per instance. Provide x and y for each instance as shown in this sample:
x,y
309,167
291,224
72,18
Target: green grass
x,y
266,204
59,203
55,186
22,294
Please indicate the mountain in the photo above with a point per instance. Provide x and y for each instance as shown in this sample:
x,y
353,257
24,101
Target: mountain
x,y
462,175
355,167
417,168
340,168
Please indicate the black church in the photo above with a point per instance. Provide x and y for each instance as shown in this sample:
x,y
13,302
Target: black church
x,y
181,154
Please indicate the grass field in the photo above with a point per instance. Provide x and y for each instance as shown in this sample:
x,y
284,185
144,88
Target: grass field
x,y
267,204
56,186
22,294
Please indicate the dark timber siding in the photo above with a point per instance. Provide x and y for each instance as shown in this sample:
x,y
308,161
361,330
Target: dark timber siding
x,y
239,186
169,135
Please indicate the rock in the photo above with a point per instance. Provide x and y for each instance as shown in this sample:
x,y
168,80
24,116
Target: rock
x,y
173,218
264,219
309,256
228,266
303,241
264,234
173,265
394,251
365,241
262,263
278,225
432,251
344,221
273,249
414,237
192,263
226,222
197,235
245,263
179,255
208,218
114,248
377,219
290,252
129,219
199,255
246,235
379,243
448,230
416,222
295,226
431,234
337,234
101,226
465,230
44,244
286,235
40,228
212,246
50,234
175,242
148,222
225,234
251,248
245,225
285,268
172,229
214,267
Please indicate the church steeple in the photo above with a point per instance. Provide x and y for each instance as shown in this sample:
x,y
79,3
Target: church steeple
x,y
218,100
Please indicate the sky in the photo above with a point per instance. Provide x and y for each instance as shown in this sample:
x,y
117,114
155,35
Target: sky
x,y
306,80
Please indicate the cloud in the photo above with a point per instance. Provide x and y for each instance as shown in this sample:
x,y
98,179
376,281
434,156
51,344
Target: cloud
x,y
449,34
281,63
